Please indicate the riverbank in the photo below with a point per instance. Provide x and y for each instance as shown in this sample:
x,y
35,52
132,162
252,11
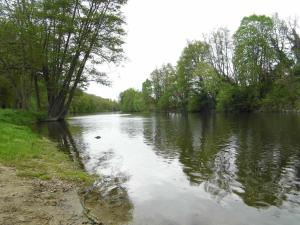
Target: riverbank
x,y
38,183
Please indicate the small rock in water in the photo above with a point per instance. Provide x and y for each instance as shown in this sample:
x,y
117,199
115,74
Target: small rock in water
x,y
97,137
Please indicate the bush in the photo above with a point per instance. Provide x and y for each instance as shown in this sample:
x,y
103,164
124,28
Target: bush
x,y
284,95
239,99
166,101
198,103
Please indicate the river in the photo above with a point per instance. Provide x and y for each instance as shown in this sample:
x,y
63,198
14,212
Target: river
x,y
171,169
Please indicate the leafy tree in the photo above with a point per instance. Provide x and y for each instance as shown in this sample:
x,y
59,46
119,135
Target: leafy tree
x,y
13,68
194,53
147,92
161,79
211,81
63,41
132,101
254,57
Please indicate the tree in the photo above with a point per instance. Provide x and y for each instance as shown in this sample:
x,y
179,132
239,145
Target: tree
x,y
221,52
92,33
210,81
147,92
254,57
294,41
282,47
12,64
156,80
132,101
194,53
163,85
88,103
71,38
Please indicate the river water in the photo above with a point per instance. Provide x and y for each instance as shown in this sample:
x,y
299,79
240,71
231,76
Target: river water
x,y
169,169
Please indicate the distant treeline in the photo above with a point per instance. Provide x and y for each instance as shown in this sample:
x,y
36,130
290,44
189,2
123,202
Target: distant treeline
x,y
82,102
256,68
87,103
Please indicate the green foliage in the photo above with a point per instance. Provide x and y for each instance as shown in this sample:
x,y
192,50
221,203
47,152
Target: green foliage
x,y
6,96
49,50
257,69
199,103
254,55
188,79
59,43
87,103
167,101
296,70
208,81
284,95
147,91
162,79
238,99
132,101
163,82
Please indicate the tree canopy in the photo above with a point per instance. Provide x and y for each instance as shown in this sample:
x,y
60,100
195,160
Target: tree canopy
x,y
255,68
56,45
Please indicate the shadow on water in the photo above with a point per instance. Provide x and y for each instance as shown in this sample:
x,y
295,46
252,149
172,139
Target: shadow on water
x,y
107,199
60,134
256,157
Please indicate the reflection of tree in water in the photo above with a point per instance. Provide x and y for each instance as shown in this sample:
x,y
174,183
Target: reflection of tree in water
x,y
131,126
158,131
108,198
60,133
268,159
256,157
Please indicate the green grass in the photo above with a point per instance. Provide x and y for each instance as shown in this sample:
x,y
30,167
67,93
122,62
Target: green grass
x,y
18,117
32,155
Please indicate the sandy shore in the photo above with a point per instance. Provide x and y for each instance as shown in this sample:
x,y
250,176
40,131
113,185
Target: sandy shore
x,y
35,202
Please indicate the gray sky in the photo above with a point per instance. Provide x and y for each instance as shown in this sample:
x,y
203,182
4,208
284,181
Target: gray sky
x,y
158,30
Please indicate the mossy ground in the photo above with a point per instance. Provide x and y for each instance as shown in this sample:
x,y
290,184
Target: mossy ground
x,y
32,155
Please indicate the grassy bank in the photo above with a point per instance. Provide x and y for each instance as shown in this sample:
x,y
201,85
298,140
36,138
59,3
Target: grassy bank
x,y
32,155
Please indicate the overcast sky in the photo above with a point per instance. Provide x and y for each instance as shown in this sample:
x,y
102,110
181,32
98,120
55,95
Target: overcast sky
x,y
158,30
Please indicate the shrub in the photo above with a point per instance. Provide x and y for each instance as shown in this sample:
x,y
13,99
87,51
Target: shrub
x,y
240,99
284,95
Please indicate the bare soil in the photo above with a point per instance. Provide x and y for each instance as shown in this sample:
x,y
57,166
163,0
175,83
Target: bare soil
x,y
29,201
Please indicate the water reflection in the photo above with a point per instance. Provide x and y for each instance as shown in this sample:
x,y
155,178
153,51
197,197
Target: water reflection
x,y
59,132
107,199
131,126
268,159
189,169
256,157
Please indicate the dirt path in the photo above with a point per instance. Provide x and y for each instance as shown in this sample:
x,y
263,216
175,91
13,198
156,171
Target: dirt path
x,y
34,202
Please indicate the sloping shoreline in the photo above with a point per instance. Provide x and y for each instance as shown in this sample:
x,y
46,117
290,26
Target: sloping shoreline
x,y
31,201
39,184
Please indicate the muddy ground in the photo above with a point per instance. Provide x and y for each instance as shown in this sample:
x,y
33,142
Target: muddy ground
x,y
35,202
